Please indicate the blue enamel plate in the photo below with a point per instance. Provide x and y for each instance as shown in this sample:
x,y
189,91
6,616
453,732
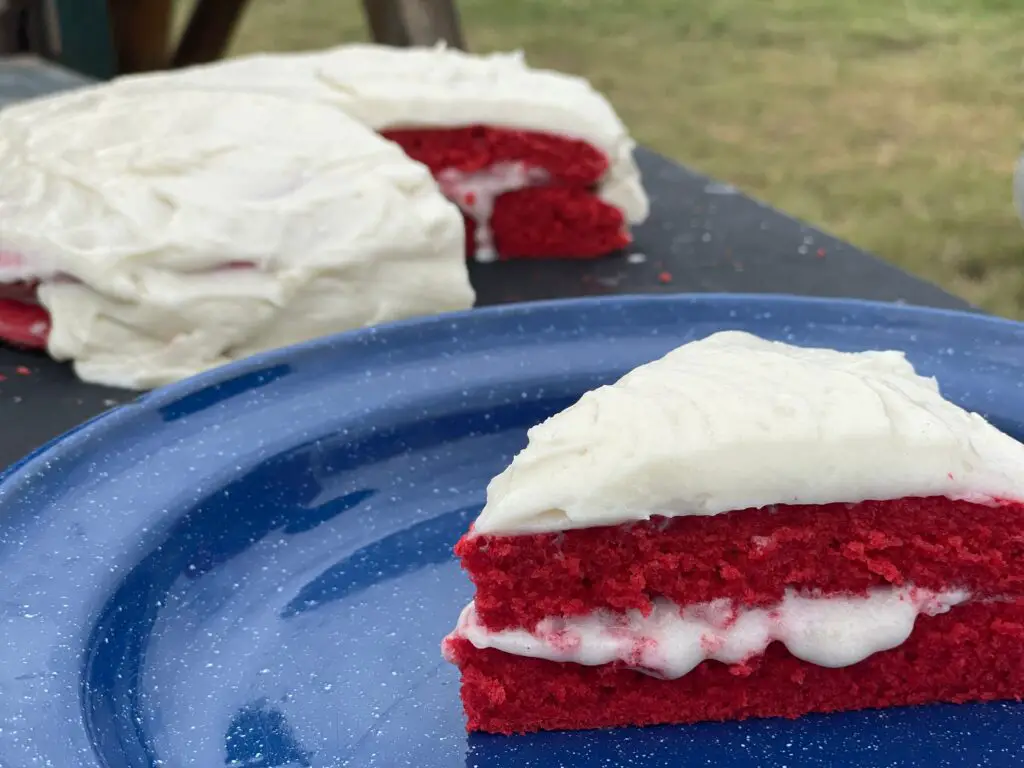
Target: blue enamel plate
x,y
253,567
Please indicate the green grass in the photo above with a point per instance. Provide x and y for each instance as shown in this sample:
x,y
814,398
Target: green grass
x,y
894,125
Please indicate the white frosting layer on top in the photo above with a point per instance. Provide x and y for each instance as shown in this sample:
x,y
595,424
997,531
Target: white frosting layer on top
x,y
835,631
137,207
732,422
386,87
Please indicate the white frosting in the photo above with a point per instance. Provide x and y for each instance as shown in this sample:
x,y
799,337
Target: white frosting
x,y
386,87
835,631
476,192
732,422
134,205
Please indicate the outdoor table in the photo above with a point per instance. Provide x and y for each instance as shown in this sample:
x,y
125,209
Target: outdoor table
x,y
702,236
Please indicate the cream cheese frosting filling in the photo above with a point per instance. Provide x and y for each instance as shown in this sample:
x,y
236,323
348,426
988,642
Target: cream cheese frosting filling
x,y
734,422
833,631
475,193
133,205
385,87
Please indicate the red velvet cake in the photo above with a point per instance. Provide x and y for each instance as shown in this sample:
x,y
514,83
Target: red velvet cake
x,y
126,226
746,529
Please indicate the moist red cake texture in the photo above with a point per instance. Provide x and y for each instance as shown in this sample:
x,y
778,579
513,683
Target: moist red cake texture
x,y
23,322
562,218
971,653
749,556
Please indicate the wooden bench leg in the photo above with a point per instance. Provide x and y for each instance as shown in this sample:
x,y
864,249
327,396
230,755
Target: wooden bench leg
x,y
405,23
209,31
29,26
141,31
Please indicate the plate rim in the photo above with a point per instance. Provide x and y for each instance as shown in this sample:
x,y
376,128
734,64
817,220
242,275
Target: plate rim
x,y
214,376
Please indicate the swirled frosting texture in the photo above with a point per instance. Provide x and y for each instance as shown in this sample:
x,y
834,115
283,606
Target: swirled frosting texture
x,y
175,229
385,87
733,422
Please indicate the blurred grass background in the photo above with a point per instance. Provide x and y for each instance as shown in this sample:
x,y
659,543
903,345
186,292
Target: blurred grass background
x,y
894,124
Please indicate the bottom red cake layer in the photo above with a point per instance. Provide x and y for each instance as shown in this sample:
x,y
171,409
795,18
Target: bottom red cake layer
x,y
975,652
23,323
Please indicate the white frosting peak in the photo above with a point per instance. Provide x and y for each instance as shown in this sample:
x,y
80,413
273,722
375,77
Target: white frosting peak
x,y
179,228
732,422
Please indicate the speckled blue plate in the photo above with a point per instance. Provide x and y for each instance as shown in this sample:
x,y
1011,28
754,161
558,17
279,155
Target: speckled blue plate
x,y
253,568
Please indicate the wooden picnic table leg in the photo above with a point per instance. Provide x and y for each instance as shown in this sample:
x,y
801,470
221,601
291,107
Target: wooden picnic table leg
x,y
209,31
28,26
407,23
141,30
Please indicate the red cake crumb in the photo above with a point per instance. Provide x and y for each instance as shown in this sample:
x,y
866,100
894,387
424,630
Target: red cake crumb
x,y
972,653
749,556
563,218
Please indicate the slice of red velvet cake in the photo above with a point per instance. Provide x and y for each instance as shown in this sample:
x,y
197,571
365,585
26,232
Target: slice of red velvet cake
x,y
746,529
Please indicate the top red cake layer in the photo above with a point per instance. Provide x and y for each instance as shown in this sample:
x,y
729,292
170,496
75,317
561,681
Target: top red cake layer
x,y
570,162
750,556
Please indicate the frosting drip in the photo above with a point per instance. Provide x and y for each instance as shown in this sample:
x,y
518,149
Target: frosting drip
x,y
475,192
834,631
735,422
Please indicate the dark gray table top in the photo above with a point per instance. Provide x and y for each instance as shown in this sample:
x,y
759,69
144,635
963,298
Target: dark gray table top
x,y
702,236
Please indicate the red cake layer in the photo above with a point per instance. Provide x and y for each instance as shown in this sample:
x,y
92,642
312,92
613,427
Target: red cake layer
x,y
23,323
570,162
563,219
749,556
555,222
973,653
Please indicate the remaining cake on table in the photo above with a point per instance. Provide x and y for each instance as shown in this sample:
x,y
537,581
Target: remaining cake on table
x,y
746,528
159,225
149,233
